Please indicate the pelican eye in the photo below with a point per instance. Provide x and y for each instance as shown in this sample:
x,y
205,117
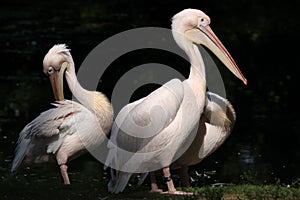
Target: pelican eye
x,y
203,22
50,70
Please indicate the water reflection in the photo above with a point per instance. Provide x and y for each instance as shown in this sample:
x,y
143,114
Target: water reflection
x,y
24,99
246,155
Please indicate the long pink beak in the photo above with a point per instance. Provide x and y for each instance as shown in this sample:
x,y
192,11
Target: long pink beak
x,y
205,36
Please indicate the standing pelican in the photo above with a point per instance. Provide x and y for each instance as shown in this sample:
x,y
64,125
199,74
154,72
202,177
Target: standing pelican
x,y
154,129
64,132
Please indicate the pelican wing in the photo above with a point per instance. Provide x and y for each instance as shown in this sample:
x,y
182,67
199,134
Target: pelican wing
x,y
47,130
147,117
137,123
55,120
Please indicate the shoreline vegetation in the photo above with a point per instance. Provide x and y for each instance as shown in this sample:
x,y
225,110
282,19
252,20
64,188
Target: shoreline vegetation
x,y
82,191
94,186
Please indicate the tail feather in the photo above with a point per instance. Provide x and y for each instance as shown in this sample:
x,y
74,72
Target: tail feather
x,y
118,183
118,179
143,177
21,149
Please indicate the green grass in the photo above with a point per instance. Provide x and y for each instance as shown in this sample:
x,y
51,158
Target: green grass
x,y
247,192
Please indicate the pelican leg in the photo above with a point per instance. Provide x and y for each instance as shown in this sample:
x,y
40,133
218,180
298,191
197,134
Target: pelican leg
x,y
154,186
184,176
169,181
170,184
64,173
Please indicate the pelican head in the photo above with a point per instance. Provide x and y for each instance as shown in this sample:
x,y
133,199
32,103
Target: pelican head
x,y
194,26
55,63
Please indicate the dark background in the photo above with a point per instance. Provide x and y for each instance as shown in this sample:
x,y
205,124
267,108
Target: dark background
x,y
262,36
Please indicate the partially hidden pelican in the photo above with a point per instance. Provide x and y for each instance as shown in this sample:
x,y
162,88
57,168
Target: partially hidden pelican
x,y
151,133
70,128
215,125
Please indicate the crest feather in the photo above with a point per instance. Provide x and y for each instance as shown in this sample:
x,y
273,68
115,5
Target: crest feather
x,y
59,48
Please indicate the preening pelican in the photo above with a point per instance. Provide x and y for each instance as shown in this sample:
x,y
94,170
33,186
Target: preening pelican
x,y
157,129
64,132
216,124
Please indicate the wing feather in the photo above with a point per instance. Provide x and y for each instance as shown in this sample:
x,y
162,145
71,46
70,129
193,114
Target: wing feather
x,y
47,131
55,120
138,122
154,112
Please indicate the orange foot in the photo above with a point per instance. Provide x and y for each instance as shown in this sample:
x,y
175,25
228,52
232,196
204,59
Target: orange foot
x,y
156,190
178,192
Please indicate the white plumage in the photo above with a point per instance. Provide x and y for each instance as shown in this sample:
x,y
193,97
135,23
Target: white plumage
x,y
215,126
70,128
151,133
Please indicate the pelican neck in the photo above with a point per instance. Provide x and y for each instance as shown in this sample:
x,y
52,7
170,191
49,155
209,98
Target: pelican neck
x,y
197,71
82,95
